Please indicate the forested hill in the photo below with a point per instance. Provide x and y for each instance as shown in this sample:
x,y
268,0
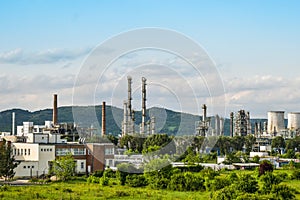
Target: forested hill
x,y
167,121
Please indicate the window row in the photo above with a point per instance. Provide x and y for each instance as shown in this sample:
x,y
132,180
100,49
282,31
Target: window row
x,y
21,152
28,167
46,150
73,151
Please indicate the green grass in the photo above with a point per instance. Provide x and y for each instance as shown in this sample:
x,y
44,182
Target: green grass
x,y
82,190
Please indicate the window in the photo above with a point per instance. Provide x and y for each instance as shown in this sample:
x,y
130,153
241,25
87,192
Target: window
x,y
82,165
32,166
15,151
28,167
62,152
24,167
25,152
29,152
18,151
50,149
41,149
109,151
78,151
21,152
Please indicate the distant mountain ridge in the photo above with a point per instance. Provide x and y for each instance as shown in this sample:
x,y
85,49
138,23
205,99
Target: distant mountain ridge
x,y
167,121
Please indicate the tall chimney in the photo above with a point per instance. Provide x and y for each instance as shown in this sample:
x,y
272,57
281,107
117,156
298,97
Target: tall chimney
x,y
231,124
204,107
103,119
129,79
143,103
54,109
13,123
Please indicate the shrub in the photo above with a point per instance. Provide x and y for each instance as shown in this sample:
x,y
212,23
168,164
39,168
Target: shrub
x,y
136,180
247,184
93,179
98,173
227,193
109,173
121,176
104,181
269,180
265,166
233,177
186,182
283,192
295,174
220,182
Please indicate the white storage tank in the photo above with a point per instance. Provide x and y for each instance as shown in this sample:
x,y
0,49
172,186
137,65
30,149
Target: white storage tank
x,y
275,121
294,120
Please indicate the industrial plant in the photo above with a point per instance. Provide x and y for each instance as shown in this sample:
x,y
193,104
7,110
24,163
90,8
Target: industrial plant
x,y
35,146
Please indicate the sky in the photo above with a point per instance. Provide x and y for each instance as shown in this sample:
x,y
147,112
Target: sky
x,y
254,44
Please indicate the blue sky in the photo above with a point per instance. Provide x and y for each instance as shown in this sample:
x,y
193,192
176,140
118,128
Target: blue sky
x,y
255,45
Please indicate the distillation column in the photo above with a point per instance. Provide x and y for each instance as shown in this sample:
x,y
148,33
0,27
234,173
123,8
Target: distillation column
x,y
129,79
143,105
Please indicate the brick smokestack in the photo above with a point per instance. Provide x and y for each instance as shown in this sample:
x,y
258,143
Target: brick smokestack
x,y
103,118
54,109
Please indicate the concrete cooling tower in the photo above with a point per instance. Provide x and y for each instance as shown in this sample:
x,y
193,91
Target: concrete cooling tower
x,y
294,120
275,121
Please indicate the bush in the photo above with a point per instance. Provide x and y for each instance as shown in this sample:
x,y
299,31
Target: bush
x,y
121,176
104,181
295,174
227,193
93,179
265,166
186,182
269,180
220,182
283,192
109,173
98,173
247,184
136,180
233,177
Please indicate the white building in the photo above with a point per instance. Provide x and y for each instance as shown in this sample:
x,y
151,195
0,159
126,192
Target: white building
x,y
34,158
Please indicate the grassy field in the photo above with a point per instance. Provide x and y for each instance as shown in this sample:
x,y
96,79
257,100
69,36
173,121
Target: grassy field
x,y
80,189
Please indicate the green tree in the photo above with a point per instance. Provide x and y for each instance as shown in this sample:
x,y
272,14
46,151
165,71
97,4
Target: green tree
x,y
249,142
113,139
7,160
64,167
278,142
160,140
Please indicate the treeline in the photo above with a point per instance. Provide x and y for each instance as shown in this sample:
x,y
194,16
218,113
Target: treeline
x,y
191,147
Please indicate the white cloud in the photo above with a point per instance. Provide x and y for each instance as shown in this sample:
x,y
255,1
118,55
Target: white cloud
x,y
20,56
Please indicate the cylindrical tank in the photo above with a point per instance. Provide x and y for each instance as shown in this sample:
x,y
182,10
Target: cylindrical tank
x,y
294,120
275,121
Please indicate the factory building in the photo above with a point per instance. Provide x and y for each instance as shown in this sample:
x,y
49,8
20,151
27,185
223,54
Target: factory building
x,y
240,124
